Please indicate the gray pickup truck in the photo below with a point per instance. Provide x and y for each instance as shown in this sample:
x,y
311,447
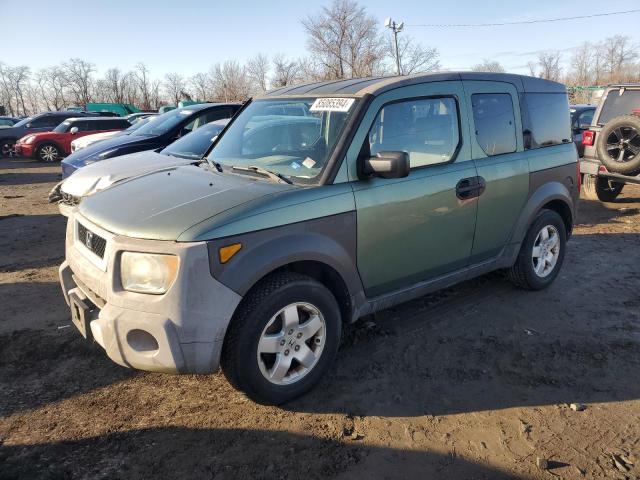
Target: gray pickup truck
x,y
612,144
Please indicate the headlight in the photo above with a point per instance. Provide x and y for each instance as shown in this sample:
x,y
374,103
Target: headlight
x,y
147,273
28,139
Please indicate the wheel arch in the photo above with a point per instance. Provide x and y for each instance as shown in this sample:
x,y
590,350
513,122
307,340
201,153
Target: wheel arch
x,y
552,196
324,249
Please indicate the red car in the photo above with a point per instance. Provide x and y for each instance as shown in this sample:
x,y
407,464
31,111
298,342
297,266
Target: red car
x,y
52,146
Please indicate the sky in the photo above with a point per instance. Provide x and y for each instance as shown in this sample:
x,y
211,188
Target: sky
x,y
188,36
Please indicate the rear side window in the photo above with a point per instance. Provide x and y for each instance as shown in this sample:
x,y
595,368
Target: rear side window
x,y
545,118
494,122
425,128
619,102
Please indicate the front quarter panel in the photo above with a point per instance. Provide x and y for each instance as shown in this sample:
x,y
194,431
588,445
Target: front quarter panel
x,y
329,240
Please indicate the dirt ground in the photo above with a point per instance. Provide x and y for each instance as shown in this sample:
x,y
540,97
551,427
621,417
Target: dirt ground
x,y
471,382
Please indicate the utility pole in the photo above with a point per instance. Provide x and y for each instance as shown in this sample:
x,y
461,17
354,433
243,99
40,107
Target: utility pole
x,y
396,28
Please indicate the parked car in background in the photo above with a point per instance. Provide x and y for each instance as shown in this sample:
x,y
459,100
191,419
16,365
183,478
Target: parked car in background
x,y
256,259
52,146
98,176
612,144
581,117
83,142
44,122
8,121
159,132
134,117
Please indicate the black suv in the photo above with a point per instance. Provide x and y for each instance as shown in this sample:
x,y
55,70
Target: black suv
x,y
612,144
44,122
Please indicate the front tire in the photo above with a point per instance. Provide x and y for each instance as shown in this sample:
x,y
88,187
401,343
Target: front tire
x,y
48,153
282,339
542,252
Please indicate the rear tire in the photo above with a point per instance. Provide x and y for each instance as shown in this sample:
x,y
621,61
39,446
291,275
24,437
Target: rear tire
x,y
600,188
48,153
6,148
271,330
540,258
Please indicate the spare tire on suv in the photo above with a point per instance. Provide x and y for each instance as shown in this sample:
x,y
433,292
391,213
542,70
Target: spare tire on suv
x,y
618,144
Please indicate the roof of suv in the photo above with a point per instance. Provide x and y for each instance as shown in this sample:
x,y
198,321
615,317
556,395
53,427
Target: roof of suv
x,y
377,85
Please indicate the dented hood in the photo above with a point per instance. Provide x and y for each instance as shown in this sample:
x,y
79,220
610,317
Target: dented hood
x,y
163,204
101,175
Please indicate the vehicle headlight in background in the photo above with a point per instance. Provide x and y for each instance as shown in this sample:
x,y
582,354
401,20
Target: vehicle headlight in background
x,y
147,272
28,139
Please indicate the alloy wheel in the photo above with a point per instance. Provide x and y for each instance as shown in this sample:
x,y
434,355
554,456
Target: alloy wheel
x,y
291,343
546,251
623,144
49,153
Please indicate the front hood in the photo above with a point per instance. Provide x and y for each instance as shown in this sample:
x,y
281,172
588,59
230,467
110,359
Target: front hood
x,y
101,175
92,151
163,204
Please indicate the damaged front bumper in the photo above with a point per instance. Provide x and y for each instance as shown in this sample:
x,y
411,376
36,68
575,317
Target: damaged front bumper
x,y
180,331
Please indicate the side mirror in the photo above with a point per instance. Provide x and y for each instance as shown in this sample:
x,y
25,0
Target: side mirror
x,y
28,125
73,130
388,165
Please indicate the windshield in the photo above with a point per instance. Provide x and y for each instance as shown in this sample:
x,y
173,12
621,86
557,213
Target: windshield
x,y
196,143
163,123
137,125
23,122
62,127
292,137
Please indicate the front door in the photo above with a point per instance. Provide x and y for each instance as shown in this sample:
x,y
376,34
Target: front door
x,y
419,227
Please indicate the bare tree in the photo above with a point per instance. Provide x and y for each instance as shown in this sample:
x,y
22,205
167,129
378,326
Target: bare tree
x,y
582,60
200,85
174,85
258,71
549,63
144,86
488,66
618,53
285,72
230,82
414,57
345,39
79,79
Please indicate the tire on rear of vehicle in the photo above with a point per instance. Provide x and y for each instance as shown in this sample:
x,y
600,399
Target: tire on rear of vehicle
x,y
523,273
600,188
626,129
44,149
240,359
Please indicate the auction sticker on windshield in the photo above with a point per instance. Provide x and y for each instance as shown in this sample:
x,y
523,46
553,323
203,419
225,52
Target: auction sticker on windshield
x,y
332,105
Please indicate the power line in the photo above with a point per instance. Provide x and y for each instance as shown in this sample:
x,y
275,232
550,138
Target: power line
x,y
523,22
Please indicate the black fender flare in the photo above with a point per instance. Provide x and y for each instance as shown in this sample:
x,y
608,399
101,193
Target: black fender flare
x,y
329,240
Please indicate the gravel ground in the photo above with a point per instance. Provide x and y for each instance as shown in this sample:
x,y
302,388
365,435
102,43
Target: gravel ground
x,y
472,382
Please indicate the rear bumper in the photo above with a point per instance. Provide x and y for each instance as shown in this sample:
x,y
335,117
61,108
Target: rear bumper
x,y
590,166
180,331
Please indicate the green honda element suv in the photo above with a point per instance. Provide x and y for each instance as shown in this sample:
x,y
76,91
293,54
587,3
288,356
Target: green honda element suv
x,y
316,205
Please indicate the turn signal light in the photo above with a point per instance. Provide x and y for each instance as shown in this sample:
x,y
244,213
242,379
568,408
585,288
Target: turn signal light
x,y
226,253
588,137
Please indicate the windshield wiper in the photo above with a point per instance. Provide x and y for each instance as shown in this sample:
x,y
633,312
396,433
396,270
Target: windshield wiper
x,y
275,176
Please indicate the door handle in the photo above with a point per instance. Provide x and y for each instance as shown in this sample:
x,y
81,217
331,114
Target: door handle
x,y
470,187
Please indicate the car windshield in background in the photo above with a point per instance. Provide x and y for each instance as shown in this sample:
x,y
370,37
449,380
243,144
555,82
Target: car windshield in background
x,y
163,123
23,122
619,102
293,137
62,127
195,144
